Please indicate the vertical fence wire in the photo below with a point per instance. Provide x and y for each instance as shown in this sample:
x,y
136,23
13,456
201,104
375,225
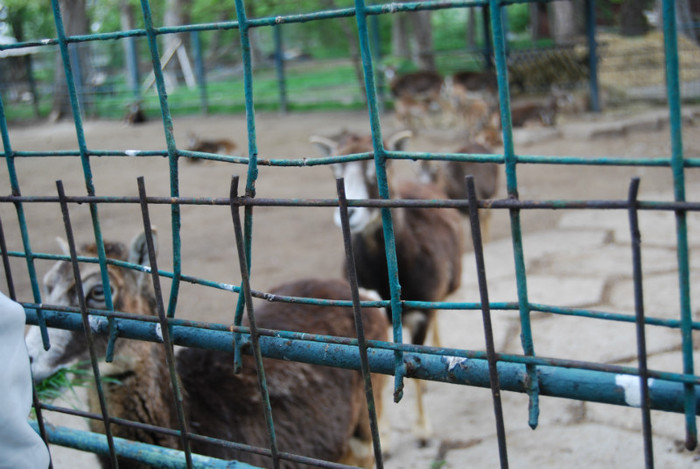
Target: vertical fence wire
x,y
86,323
172,155
244,265
87,171
499,48
362,343
164,327
486,315
677,167
380,157
252,176
639,322
22,221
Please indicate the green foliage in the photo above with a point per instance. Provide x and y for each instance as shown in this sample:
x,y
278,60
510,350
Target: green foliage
x,y
33,18
66,379
518,17
449,28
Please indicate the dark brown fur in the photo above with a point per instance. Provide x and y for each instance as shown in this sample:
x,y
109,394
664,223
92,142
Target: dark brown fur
x,y
476,81
428,241
417,95
451,175
537,113
316,410
428,251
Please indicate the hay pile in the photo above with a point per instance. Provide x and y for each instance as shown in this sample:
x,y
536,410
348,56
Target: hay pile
x,y
639,61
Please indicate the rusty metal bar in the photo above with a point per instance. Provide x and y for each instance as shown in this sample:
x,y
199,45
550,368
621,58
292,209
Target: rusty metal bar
x,y
639,313
164,327
362,343
491,355
85,323
245,286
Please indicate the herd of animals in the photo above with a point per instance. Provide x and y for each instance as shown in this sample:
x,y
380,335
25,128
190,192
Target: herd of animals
x,y
319,412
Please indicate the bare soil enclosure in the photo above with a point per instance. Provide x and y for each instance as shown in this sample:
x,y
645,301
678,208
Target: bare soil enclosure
x,y
293,242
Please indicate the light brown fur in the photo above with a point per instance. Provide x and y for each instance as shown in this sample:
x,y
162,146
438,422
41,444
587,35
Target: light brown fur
x,y
318,411
223,146
418,98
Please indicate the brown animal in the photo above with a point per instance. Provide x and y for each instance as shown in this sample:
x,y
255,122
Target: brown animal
x,y
475,81
134,114
222,146
450,176
418,97
540,112
318,411
428,240
474,101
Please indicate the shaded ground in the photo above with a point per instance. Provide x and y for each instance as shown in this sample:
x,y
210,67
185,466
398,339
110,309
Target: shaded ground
x,y
294,242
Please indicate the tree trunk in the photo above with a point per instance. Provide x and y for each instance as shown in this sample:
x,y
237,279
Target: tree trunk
x,y
354,48
256,54
423,34
75,21
471,28
126,15
684,19
539,21
400,45
632,19
173,17
564,23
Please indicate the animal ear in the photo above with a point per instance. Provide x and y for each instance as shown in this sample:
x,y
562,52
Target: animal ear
x,y
326,146
63,245
398,141
138,250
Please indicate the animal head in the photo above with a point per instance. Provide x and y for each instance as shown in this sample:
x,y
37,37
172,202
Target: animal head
x,y
360,176
193,142
130,291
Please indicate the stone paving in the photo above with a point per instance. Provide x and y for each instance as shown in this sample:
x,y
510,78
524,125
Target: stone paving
x,y
585,262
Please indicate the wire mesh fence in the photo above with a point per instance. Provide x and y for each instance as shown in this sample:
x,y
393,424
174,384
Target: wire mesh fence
x,y
178,443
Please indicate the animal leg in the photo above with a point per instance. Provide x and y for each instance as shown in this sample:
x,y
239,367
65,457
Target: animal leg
x,y
486,226
423,428
435,331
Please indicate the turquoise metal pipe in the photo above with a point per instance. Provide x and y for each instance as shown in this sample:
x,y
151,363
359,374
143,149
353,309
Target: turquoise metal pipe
x,y
153,455
557,378
499,48
175,219
677,168
380,155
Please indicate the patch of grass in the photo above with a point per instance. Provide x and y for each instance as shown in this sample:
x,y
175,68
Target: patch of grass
x,y
65,379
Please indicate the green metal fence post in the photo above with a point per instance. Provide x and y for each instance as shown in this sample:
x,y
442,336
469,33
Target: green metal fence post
x,y
499,44
677,167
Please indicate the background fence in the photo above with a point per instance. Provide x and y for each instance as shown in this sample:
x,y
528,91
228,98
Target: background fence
x,y
524,372
112,74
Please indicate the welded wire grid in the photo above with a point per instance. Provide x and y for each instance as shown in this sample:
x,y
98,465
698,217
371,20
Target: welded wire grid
x,y
677,392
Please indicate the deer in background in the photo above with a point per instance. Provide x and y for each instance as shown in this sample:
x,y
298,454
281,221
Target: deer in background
x,y
428,241
450,176
418,96
319,411
222,146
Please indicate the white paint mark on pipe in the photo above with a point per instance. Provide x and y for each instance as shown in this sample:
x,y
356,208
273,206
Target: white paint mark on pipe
x,y
632,387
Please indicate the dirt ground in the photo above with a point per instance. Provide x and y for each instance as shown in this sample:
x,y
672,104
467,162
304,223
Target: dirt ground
x,y
289,243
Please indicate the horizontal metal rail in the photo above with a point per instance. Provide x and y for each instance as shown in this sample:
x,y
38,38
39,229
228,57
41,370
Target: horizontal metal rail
x,y
584,381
